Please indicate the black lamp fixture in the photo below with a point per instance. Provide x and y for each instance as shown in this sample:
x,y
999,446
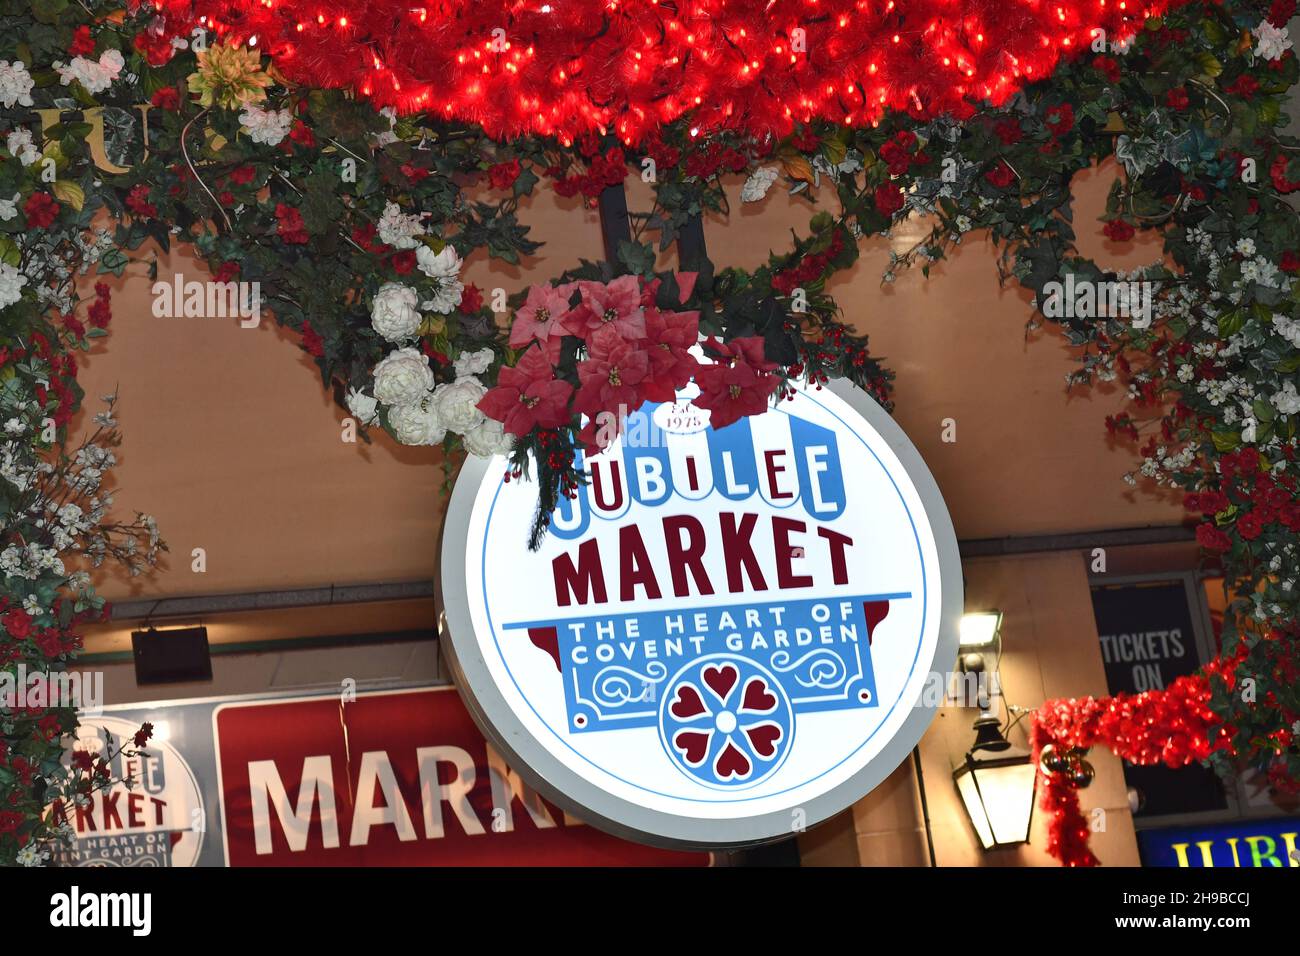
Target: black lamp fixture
x,y
997,781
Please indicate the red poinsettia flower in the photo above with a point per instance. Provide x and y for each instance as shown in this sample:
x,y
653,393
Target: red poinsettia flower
x,y
616,304
528,395
41,210
739,384
611,378
669,338
542,319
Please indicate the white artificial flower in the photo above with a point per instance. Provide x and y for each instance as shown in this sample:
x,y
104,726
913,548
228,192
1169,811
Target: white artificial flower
x,y
417,423
95,75
20,145
444,268
963,223
1246,247
473,363
9,207
438,265
31,855
1273,41
397,229
457,403
1288,328
403,377
265,126
388,136
394,314
11,285
363,406
1287,401
488,438
16,84
758,183
1248,430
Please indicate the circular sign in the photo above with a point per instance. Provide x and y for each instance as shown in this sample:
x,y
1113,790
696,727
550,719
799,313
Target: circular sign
x,y
726,636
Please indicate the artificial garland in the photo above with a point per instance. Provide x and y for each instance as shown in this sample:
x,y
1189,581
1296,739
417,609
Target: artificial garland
x,y
357,221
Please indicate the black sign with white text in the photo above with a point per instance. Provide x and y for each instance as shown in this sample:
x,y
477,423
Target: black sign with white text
x,y
1148,640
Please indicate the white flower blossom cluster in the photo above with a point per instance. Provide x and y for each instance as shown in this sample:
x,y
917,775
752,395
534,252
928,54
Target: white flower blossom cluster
x,y
268,127
398,229
1273,41
421,413
95,75
16,84
444,268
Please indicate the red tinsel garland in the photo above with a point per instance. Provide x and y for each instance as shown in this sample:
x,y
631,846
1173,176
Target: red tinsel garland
x,y
566,68
1170,726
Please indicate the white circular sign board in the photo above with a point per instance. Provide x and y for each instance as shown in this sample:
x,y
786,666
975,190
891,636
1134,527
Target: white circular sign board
x,y
726,637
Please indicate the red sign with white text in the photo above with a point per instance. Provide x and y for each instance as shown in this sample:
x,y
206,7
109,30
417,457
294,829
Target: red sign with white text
x,y
394,778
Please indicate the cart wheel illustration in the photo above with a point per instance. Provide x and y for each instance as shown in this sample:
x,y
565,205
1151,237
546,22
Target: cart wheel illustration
x,y
726,721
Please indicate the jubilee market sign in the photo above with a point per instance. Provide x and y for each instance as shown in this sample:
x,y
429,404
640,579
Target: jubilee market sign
x,y
725,637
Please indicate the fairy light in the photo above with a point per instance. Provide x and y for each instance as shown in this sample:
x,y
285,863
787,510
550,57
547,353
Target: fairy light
x,y
705,51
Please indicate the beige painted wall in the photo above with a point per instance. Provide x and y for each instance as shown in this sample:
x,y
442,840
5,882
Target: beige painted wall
x,y
1050,650
233,444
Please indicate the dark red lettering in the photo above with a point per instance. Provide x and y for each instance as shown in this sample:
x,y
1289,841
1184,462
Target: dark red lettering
x,y
684,557
584,583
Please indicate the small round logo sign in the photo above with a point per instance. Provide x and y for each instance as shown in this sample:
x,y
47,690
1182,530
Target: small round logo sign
x,y
726,636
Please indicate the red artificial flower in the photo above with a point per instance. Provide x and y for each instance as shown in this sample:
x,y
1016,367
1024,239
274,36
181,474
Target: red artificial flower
x,y
616,303
1001,175
1107,67
100,312
302,134
806,140
471,299
143,734
1277,172
242,175
739,384
1009,131
1281,12
1060,119
168,98
1117,230
1249,526
49,642
1244,85
226,197
312,343
227,272
1176,99
414,173
290,226
1290,262
17,623
1212,539
528,395
403,262
41,210
896,157
137,200
83,44
610,378
889,198
156,48
503,175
